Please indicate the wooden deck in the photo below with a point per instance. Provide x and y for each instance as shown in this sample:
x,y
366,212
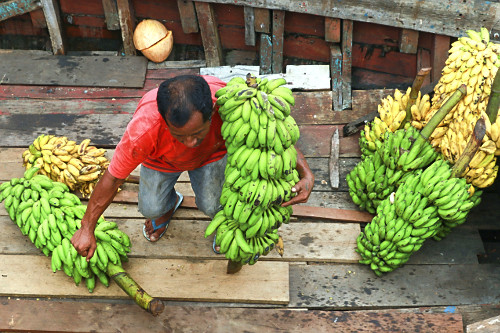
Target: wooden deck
x,y
317,286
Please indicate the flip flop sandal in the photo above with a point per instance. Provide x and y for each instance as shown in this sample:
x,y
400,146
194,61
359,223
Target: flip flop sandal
x,y
214,245
164,224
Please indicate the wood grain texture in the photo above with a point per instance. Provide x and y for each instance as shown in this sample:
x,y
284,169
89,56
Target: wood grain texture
x,y
278,25
54,25
451,19
262,20
336,75
85,316
347,62
332,30
197,280
408,41
111,14
209,34
13,8
249,26
126,16
187,13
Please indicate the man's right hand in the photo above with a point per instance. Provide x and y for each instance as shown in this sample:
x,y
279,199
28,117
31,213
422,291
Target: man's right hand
x,y
84,242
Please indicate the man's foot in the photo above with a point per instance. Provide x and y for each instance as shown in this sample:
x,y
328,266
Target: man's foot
x,y
155,235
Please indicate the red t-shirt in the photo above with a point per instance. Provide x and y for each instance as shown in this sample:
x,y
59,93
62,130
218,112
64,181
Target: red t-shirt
x,y
147,140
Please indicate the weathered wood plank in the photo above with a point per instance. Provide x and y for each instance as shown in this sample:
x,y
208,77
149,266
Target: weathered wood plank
x,y
187,12
126,17
38,19
304,241
54,25
424,61
85,316
451,19
332,30
277,40
336,75
97,71
209,34
439,52
13,8
346,47
489,325
333,163
249,26
348,286
262,20
201,280
408,41
111,14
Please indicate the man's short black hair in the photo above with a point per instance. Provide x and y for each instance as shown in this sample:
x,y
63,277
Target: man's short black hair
x,y
182,95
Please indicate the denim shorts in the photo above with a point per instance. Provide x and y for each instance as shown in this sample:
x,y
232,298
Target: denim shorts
x,y
157,193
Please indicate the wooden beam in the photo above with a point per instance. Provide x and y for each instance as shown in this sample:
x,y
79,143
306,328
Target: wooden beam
x,y
111,14
209,34
332,29
424,61
13,8
262,21
53,18
439,53
336,75
346,45
408,41
333,164
438,17
266,54
127,24
278,38
187,12
249,25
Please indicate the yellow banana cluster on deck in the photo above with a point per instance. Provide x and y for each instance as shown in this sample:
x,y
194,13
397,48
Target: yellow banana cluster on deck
x,y
77,165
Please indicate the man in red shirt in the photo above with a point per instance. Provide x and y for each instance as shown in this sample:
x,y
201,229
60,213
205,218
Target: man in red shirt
x,y
175,128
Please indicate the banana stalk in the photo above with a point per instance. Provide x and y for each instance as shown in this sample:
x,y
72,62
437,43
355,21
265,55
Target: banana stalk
x,y
140,296
494,101
470,150
415,89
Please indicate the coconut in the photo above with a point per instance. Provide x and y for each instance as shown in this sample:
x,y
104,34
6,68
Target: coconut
x,y
153,39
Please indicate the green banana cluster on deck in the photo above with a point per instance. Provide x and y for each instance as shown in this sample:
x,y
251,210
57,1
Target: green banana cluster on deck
x,y
261,167
49,214
380,173
428,204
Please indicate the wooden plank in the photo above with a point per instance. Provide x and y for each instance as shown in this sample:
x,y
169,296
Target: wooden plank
x,y
262,22
439,52
13,8
333,163
209,34
451,19
424,61
249,26
347,286
277,41
111,14
336,75
85,316
265,54
304,241
126,17
187,13
346,46
54,25
204,280
490,325
38,19
332,29
408,41
100,71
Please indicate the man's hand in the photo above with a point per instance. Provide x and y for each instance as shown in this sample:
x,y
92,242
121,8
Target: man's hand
x,y
302,189
84,242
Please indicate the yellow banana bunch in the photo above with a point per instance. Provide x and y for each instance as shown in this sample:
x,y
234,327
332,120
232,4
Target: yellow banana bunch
x,y
77,165
473,61
392,111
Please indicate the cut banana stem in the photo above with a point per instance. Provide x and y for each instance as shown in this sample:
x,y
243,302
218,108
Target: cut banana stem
x,y
140,296
470,150
415,89
494,101
442,112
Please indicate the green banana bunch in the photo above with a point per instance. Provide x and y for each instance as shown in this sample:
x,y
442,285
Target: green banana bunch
x,y
426,205
49,214
260,135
